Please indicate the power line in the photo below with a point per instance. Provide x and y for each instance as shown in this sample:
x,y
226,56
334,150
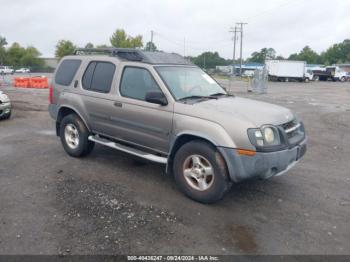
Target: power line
x,y
241,49
264,12
234,30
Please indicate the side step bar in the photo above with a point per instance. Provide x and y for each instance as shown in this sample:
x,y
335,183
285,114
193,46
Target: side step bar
x,y
129,150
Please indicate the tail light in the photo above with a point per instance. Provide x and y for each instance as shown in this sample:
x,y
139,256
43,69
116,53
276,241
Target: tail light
x,y
51,94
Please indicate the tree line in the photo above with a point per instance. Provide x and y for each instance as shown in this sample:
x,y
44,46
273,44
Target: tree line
x,y
119,39
16,55
335,54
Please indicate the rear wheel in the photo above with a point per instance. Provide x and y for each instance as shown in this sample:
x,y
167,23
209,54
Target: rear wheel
x,y
74,136
201,172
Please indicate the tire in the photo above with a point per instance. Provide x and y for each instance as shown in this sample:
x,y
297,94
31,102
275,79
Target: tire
x,y
7,116
307,80
74,136
342,79
214,186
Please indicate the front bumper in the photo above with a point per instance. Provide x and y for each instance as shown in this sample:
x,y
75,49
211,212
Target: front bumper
x,y
262,164
5,108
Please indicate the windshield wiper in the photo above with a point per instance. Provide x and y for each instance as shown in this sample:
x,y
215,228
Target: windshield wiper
x,y
220,94
197,97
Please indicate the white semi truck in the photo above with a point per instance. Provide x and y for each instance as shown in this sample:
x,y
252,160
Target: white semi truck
x,y
287,70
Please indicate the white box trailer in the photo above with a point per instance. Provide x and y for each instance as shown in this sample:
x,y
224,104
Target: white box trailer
x,y
286,70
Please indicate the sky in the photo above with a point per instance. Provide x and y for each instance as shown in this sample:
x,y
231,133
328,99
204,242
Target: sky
x,y
187,27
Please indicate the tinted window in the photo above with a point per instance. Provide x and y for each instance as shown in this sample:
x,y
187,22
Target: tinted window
x,y
103,77
88,75
66,71
98,76
136,82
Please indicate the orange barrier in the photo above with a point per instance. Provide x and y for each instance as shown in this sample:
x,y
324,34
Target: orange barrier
x,y
22,82
39,82
33,82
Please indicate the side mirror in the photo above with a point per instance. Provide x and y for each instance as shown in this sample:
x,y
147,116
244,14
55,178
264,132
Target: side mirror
x,y
156,97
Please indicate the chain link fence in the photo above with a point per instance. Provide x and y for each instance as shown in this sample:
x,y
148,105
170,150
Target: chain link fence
x,y
258,83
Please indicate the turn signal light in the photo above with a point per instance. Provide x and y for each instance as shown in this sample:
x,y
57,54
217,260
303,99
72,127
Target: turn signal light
x,y
246,152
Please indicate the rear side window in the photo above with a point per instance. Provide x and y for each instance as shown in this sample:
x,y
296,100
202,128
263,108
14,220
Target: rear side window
x,y
67,71
98,77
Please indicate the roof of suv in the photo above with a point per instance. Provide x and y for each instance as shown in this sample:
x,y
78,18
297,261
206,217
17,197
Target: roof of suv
x,y
137,55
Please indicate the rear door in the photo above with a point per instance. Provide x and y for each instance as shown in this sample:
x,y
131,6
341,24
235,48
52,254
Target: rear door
x,y
97,96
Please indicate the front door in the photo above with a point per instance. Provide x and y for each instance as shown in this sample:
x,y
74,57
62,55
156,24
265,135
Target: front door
x,y
137,121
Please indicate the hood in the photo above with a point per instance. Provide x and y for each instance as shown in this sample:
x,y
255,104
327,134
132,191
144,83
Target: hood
x,y
248,110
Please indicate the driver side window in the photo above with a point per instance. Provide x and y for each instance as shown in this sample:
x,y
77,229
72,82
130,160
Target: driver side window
x,y
136,82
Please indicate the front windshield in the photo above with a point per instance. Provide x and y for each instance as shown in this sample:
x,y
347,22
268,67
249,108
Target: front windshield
x,y
188,81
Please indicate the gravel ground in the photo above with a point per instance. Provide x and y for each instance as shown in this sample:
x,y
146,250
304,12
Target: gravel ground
x,y
108,203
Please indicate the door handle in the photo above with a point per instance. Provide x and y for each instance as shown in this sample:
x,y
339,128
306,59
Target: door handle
x,y
76,83
118,104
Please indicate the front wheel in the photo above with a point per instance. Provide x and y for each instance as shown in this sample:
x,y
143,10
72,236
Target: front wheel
x,y
74,136
5,117
200,172
343,79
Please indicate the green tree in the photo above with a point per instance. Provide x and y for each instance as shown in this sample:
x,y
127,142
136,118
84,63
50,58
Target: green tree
x,y
31,58
150,46
103,46
262,55
210,60
63,48
18,56
89,45
337,53
120,39
15,54
306,54
3,43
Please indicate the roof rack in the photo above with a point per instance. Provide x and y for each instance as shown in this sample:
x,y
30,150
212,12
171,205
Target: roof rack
x,y
136,55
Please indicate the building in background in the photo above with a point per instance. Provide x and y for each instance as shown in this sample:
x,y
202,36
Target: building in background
x,y
51,62
345,67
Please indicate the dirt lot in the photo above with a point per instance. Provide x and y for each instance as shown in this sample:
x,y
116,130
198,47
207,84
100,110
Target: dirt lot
x,y
108,203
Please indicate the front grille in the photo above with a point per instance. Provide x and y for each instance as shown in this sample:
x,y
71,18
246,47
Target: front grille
x,y
294,131
289,124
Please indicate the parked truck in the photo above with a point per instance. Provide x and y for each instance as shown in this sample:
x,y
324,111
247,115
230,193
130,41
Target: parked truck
x,y
333,73
286,70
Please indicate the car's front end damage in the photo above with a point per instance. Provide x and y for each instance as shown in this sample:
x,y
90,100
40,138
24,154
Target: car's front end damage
x,y
278,149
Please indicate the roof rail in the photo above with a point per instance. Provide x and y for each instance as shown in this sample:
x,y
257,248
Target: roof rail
x,y
136,55
124,53
82,51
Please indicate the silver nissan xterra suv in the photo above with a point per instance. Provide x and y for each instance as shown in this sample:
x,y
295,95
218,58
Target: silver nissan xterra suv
x,y
160,107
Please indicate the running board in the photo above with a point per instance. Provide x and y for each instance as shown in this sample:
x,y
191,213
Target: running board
x,y
129,150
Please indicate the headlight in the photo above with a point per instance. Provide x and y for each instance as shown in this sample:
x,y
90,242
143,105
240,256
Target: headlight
x,y
4,98
265,136
269,135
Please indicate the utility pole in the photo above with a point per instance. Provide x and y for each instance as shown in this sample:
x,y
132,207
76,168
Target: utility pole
x,y
234,30
152,41
241,30
184,47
